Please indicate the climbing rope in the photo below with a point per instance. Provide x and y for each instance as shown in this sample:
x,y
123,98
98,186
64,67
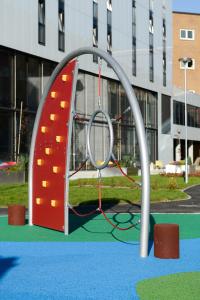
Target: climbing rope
x,y
82,215
104,214
121,170
79,168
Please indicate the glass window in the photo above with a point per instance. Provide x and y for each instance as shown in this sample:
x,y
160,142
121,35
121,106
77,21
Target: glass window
x,y
178,113
6,135
113,99
142,98
164,69
151,29
183,34
127,141
27,123
134,37
109,4
6,79
152,144
41,22
125,111
109,31
198,117
95,29
151,64
21,80
48,68
164,54
187,34
61,25
33,84
80,95
151,111
190,34
166,114
164,28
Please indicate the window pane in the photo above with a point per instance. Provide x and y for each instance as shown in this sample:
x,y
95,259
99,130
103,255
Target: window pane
x,y
61,25
26,131
113,99
151,110
183,34
6,133
48,68
5,79
166,114
152,142
190,34
127,142
41,22
33,84
21,81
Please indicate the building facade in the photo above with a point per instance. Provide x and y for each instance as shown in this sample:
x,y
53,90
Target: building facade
x,y
136,33
186,43
186,40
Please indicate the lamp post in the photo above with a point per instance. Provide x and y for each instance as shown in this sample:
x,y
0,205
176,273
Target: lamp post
x,y
186,61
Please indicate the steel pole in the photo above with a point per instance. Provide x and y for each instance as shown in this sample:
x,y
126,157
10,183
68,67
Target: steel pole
x,y
186,133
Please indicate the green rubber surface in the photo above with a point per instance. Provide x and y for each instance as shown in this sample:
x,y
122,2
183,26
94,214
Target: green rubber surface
x,y
97,229
182,286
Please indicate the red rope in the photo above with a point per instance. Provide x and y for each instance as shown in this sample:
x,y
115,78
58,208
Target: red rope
x,y
105,216
119,118
118,165
82,215
77,170
103,213
113,225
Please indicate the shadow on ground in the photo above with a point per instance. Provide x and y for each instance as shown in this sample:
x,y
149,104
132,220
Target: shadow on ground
x,y
110,205
114,209
6,264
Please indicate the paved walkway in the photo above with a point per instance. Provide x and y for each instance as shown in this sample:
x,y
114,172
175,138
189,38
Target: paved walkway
x,y
191,205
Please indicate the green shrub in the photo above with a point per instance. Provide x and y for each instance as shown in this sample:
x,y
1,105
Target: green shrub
x,y
172,184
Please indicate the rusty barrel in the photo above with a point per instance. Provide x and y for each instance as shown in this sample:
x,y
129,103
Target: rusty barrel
x,y
16,214
166,240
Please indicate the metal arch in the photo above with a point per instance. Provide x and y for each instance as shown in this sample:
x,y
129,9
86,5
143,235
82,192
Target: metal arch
x,y
145,207
108,157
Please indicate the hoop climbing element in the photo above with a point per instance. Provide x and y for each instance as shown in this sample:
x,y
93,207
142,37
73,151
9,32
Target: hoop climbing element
x,y
109,155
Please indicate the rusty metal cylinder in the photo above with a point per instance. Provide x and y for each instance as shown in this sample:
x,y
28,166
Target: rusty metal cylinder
x,y
166,240
16,214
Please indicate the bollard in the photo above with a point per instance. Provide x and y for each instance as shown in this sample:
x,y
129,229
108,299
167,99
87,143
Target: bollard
x,y
166,240
16,214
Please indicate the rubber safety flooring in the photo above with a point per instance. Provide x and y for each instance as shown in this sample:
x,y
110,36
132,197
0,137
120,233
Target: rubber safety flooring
x,y
93,262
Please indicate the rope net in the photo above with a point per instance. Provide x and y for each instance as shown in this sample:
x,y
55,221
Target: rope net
x,y
100,209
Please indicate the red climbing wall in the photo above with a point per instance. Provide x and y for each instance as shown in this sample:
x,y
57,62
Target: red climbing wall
x,y
49,162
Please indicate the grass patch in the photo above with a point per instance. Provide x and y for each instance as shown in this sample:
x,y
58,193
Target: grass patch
x,y
182,286
115,190
12,194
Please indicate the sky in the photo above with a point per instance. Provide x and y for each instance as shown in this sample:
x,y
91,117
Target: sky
x,y
186,5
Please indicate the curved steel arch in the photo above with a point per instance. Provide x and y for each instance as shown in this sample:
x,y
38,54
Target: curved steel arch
x,y
145,207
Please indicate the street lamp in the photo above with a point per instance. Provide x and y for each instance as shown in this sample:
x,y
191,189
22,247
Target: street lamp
x,y
185,61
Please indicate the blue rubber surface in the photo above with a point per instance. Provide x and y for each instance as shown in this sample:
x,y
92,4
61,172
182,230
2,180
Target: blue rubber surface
x,y
83,270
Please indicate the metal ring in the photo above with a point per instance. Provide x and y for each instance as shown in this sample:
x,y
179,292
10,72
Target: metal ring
x,y
111,139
